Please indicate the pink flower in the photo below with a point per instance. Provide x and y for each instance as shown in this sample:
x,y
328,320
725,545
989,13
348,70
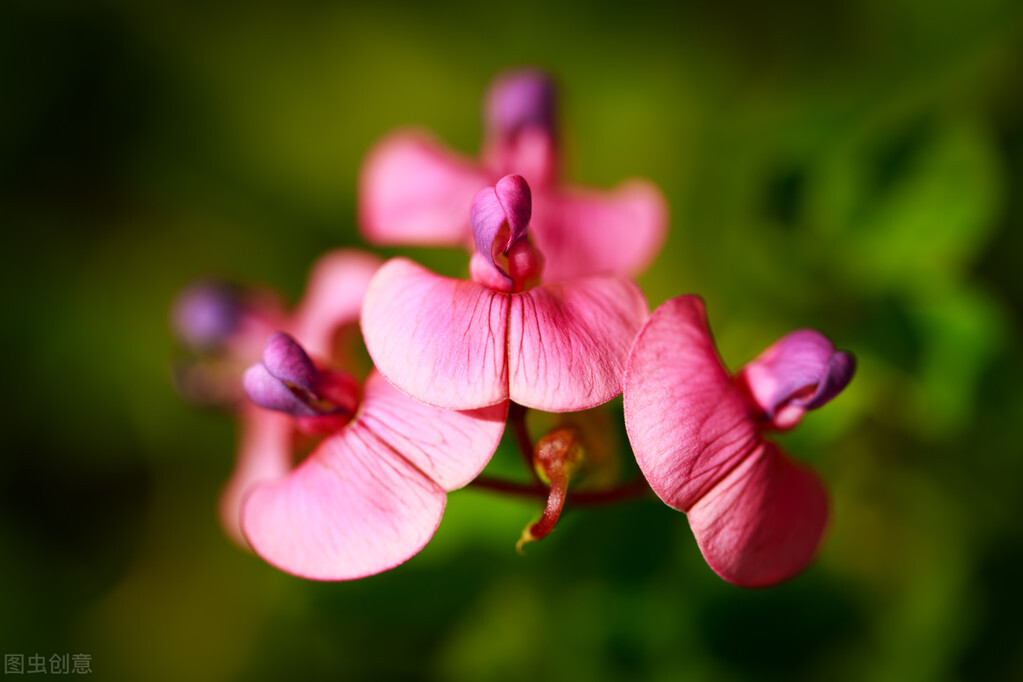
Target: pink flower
x,y
333,299
467,344
414,191
371,493
758,516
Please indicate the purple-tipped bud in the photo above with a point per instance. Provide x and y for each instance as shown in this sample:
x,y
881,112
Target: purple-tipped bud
x,y
800,371
286,380
836,376
500,217
288,361
207,313
518,100
268,391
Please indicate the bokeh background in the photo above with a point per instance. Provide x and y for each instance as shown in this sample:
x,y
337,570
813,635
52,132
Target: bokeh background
x,y
856,167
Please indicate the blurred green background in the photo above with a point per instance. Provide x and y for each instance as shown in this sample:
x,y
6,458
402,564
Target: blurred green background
x,y
855,167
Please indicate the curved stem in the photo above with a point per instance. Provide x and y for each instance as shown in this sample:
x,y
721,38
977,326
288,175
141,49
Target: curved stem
x,y
517,419
551,512
510,487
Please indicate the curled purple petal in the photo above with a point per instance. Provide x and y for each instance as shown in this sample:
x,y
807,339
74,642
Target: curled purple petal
x,y
206,314
837,376
286,380
266,390
287,361
507,203
516,200
486,216
521,99
800,371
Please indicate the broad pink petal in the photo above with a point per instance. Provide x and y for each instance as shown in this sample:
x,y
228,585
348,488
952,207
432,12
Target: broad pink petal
x,y
568,343
412,190
763,523
333,298
264,454
353,508
689,427
437,339
800,371
449,446
584,233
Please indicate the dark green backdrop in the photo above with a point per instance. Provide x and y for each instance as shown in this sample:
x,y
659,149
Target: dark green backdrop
x,y
856,167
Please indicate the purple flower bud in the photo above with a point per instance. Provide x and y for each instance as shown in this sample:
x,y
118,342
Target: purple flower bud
x,y
206,314
266,390
836,376
286,380
500,217
287,361
518,100
800,371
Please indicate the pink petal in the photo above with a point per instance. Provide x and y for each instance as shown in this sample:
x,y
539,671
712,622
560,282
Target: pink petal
x,y
333,298
531,153
584,233
414,191
763,523
353,508
800,371
757,516
568,343
449,446
437,339
687,424
264,454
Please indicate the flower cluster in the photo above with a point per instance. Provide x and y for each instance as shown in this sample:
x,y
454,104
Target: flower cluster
x,y
343,470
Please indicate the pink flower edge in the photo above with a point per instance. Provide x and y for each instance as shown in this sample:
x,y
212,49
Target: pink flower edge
x,y
758,517
370,496
584,232
460,345
413,190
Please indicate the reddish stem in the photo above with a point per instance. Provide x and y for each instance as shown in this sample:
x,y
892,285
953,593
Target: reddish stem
x,y
551,513
634,489
517,419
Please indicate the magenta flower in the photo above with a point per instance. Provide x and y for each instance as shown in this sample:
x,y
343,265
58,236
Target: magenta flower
x,y
758,516
372,491
467,344
333,299
414,191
